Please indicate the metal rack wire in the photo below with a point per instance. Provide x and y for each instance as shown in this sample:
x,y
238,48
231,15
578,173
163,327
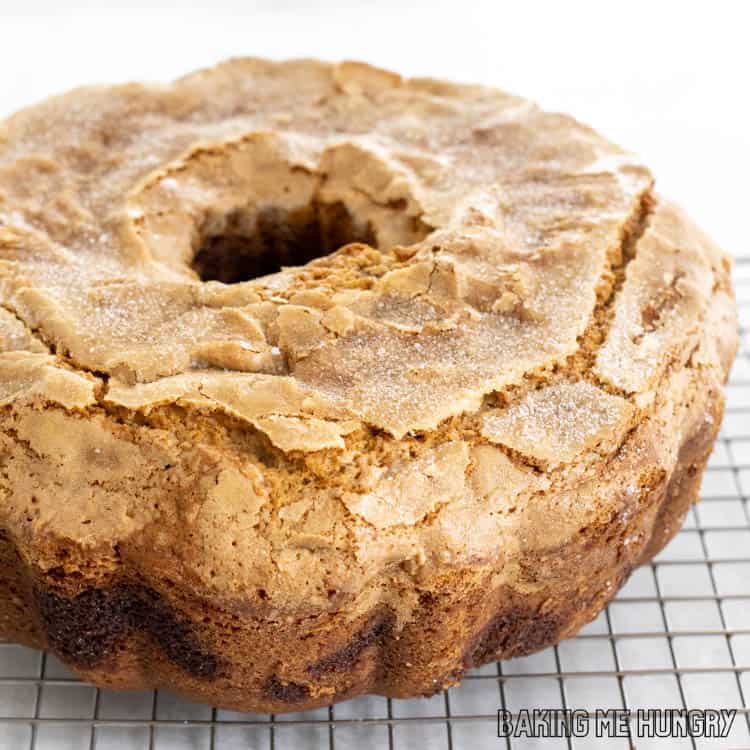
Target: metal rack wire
x,y
677,635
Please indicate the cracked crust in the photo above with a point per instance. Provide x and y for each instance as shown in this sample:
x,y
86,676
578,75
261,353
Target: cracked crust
x,y
445,442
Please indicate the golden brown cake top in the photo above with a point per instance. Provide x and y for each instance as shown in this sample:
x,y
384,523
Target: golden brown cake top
x,y
498,265
494,223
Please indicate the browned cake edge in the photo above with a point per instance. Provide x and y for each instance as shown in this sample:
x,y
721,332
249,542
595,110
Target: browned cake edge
x,y
142,622
134,634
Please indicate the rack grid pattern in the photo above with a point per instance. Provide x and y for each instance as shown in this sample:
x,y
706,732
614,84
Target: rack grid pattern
x,y
677,636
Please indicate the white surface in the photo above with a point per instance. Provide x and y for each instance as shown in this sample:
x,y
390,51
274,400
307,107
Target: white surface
x,y
665,80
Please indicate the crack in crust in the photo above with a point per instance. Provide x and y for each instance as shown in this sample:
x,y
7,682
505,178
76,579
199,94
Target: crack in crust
x,y
88,629
582,362
35,341
368,473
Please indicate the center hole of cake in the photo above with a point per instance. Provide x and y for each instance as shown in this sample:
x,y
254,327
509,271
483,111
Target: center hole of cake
x,y
243,246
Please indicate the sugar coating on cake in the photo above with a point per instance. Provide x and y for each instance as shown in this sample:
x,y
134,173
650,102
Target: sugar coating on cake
x,y
302,338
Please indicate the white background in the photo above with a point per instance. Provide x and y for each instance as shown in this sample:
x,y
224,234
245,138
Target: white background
x,y
668,80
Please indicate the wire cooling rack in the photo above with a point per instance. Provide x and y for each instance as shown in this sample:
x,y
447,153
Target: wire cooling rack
x,y
677,636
